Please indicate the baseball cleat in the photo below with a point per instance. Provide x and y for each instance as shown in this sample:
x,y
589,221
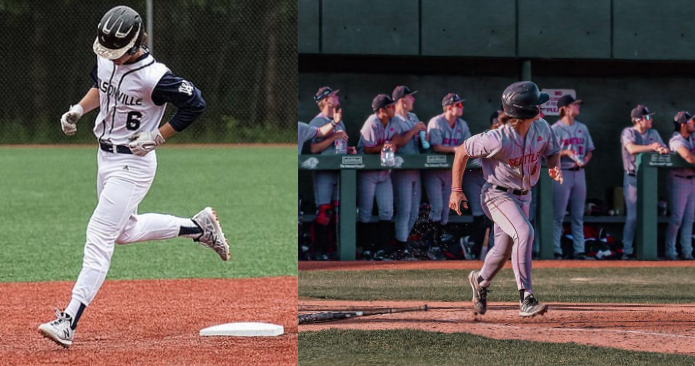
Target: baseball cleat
x,y
479,293
530,307
212,236
59,330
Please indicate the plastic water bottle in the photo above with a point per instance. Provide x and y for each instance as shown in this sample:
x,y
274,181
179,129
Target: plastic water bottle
x,y
425,143
388,158
340,146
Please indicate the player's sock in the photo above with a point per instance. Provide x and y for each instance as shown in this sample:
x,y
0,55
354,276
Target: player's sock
x,y
483,282
75,309
521,295
190,230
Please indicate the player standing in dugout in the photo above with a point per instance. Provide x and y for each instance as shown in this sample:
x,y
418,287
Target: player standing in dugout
x,y
131,90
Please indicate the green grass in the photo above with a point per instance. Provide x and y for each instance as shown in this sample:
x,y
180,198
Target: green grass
x,y
602,285
414,347
48,195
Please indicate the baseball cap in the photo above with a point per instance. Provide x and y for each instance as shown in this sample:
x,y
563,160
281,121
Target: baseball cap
x,y
324,92
567,100
381,101
451,98
401,91
682,117
640,111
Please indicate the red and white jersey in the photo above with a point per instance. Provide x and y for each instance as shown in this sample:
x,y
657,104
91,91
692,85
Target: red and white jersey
x,y
125,99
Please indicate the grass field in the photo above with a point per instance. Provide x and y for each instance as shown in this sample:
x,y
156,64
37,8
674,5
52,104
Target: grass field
x,y
662,285
49,193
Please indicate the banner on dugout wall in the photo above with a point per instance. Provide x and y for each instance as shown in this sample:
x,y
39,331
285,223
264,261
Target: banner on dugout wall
x,y
550,107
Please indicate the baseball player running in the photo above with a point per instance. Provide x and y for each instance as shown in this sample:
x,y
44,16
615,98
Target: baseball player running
x,y
406,183
306,133
634,140
447,131
511,164
131,90
326,181
682,189
576,151
378,131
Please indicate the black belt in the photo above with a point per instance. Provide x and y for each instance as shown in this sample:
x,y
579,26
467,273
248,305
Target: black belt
x,y
576,168
685,176
632,174
511,190
120,149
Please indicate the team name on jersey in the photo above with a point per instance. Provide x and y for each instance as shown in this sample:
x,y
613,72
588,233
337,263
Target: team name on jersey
x,y
122,98
573,141
528,158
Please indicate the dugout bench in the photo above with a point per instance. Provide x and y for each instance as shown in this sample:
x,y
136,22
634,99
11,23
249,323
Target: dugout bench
x,y
348,165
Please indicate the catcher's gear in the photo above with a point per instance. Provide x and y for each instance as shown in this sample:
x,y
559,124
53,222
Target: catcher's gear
x,y
521,100
69,119
143,142
119,32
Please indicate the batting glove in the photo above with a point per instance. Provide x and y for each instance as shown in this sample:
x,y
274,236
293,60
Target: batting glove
x,y
68,122
143,142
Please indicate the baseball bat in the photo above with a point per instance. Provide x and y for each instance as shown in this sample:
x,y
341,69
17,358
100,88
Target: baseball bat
x,y
339,315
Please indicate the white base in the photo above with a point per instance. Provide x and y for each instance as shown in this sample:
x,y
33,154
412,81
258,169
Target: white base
x,y
243,330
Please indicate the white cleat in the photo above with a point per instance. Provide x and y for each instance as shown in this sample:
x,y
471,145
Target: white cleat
x,y
530,307
59,330
212,236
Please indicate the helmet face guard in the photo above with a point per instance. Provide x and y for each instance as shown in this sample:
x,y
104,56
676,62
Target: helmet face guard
x,y
521,100
119,32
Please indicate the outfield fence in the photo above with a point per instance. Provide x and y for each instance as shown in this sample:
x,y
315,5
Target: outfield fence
x,y
242,55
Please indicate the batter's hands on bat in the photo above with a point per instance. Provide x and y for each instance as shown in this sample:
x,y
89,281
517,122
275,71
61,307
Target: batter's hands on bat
x,y
556,174
142,143
68,121
455,200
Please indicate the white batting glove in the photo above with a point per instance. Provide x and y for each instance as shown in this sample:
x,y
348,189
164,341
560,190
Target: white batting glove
x,y
68,122
143,142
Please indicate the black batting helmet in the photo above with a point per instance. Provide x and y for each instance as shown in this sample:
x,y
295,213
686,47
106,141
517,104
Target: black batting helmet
x,y
521,100
119,32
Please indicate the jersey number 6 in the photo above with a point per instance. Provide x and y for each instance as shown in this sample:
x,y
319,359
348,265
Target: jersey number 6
x,y
133,121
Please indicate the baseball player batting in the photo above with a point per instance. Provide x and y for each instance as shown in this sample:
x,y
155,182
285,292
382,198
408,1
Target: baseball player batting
x,y
406,182
634,140
131,90
447,131
511,164
682,189
576,151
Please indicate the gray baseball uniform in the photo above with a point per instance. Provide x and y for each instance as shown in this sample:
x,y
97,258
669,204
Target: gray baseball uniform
x,y
472,186
378,182
631,135
305,133
438,181
682,194
406,183
511,162
325,181
573,190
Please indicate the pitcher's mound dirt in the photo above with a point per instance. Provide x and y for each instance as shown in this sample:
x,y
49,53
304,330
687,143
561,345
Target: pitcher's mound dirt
x,y
153,322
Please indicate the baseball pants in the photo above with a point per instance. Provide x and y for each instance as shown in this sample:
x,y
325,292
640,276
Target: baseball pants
x,y
438,187
370,184
682,194
630,194
472,185
572,191
122,183
513,236
407,191
325,187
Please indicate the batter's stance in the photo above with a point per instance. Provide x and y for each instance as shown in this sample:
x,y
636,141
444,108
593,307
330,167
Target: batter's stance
x,y
511,165
682,189
576,151
634,140
131,90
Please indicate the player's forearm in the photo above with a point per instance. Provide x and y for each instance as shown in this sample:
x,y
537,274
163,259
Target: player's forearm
x,y
90,101
554,161
458,167
636,149
167,131
374,149
444,149
323,145
400,140
325,130
588,157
